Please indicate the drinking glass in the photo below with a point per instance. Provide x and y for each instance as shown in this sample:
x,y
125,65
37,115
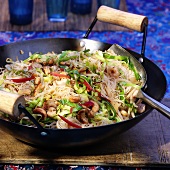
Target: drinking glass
x,y
111,3
20,11
57,10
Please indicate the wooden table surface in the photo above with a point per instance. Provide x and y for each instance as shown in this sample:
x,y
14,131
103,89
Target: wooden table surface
x,y
41,23
145,145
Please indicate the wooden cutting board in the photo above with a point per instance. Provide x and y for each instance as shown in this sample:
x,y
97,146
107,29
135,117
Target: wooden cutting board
x,y
145,145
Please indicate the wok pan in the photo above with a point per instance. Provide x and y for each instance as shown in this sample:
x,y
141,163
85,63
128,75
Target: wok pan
x,y
68,138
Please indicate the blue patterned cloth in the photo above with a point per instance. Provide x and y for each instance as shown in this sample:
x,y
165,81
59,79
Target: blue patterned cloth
x,y
157,50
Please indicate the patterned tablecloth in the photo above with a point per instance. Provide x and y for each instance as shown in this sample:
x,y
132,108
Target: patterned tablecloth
x,y
157,45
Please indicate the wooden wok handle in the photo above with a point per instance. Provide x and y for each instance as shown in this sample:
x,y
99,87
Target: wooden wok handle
x,y
9,103
121,18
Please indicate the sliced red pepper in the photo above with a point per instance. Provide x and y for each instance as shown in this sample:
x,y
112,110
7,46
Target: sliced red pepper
x,y
21,80
69,122
60,75
71,110
104,98
30,67
61,69
88,104
100,95
89,88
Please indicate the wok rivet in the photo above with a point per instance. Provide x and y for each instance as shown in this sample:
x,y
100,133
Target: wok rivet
x,y
141,60
43,134
82,44
145,87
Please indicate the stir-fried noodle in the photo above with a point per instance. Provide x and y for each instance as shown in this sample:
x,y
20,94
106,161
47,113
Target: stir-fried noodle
x,y
74,89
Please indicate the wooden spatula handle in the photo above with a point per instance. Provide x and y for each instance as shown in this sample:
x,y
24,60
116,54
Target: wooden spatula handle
x,y
121,18
9,103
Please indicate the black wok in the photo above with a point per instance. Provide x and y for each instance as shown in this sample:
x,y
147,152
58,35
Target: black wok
x,y
66,138
156,87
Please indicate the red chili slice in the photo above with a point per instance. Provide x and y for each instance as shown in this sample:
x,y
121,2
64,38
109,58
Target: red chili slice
x,y
60,75
89,88
100,95
30,67
88,104
61,69
71,110
21,80
69,122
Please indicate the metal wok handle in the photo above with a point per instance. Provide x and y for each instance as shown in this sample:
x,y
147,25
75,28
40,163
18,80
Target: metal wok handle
x,y
44,132
125,19
155,104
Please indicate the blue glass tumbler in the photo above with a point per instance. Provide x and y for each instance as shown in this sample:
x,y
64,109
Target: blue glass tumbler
x,y
20,11
57,10
111,3
81,6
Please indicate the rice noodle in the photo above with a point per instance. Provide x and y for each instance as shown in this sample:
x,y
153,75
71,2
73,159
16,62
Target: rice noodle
x,y
71,80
